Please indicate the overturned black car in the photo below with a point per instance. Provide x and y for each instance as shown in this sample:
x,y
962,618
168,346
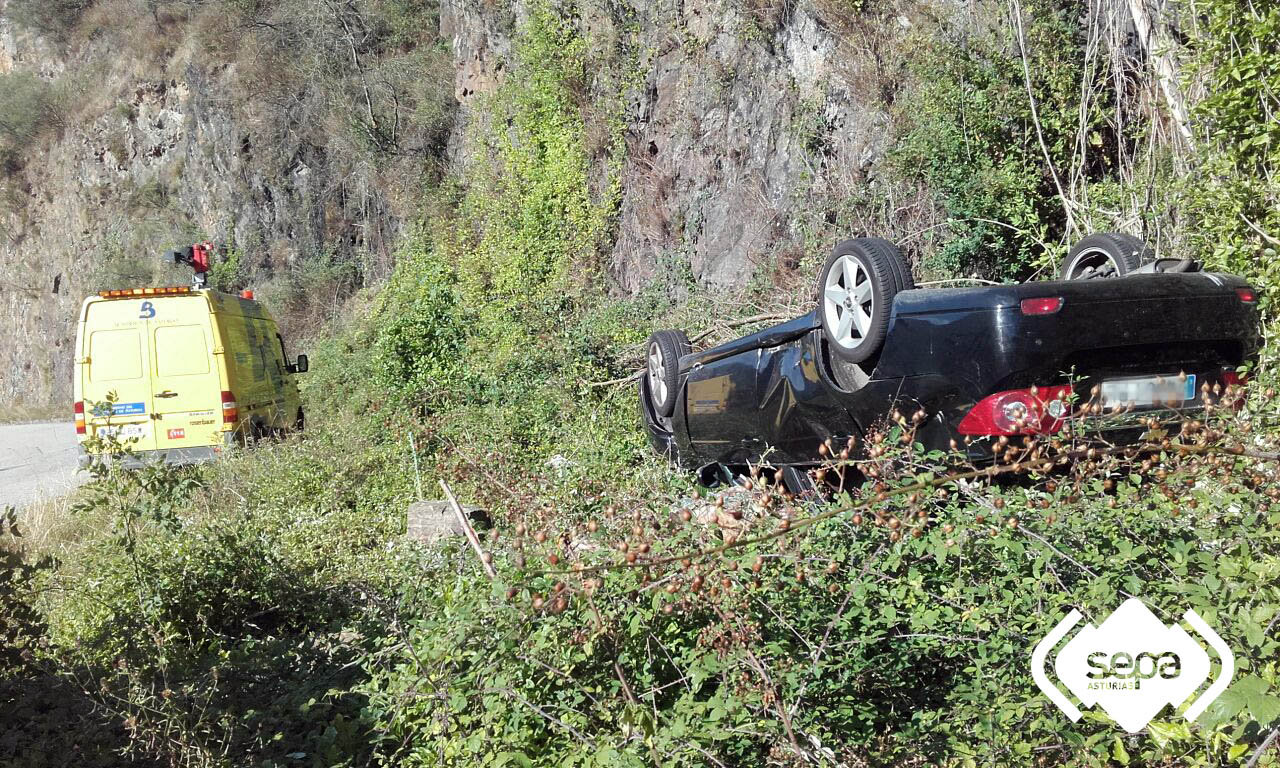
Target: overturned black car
x,y
980,362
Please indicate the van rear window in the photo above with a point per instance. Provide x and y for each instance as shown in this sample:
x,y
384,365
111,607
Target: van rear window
x,y
115,355
181,350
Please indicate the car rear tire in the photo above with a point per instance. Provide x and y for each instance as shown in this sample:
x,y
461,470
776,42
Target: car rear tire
x,y
855,293
662,369
891,253
1104,255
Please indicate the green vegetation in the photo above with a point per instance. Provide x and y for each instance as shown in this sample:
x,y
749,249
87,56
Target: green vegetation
x,y
267,610
26,112
973,137
1233,198
54,18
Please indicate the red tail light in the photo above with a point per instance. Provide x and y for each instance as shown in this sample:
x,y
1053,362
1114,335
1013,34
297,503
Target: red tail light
x,y
79,411
1042,306
1247,295
1018,412
230,408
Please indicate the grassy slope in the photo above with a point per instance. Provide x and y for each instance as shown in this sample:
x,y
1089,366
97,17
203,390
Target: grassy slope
x,y
265,610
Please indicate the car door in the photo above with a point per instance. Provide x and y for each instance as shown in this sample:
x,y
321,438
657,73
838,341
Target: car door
x,y
186,387
116,387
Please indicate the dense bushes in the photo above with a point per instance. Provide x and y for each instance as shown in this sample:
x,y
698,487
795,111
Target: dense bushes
x,y
992,158
271,616
219,613
421,334
1231,198
901,636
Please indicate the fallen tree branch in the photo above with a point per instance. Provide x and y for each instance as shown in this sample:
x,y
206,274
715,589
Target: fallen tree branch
x,y
470,532
1271,737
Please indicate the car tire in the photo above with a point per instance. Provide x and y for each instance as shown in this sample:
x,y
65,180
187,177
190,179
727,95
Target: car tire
x,y
891,253
855,293
662,369
1105,255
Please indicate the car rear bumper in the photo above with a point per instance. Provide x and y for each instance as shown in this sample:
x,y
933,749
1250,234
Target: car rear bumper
x,y
176,457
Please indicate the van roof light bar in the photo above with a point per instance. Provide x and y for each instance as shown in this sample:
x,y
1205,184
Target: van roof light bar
x,y
128,293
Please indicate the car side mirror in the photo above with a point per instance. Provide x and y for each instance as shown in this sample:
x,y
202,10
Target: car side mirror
x,y
301,366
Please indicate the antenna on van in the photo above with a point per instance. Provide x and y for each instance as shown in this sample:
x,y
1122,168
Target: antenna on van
x,y
197,256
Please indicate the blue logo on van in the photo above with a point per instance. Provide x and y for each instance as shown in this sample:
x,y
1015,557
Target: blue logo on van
x,y
128,409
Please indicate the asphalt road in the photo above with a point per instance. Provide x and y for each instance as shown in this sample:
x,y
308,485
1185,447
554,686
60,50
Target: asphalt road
x,y
37,461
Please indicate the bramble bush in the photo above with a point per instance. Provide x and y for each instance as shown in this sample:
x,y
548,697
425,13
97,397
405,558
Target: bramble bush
x,y
217,615
894,625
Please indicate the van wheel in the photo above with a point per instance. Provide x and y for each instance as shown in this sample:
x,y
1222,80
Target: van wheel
x,y
299,422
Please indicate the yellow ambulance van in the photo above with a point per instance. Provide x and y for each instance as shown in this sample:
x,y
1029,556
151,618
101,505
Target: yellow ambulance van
x,y
179,373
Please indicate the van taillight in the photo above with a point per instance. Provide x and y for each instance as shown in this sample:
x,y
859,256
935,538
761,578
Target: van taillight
x,y
230,409
79,411
1018,411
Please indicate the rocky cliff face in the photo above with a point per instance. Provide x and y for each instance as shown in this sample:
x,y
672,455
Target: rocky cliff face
x,y
142,164
743,123
746,122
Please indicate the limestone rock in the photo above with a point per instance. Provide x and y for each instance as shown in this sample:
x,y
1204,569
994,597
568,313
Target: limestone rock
x,y
431,521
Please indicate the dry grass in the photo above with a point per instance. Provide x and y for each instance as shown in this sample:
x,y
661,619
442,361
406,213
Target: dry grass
x,y
28,414
48,525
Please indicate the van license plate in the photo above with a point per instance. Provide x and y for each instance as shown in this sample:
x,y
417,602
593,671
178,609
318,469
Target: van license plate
x,y
1151,390
124,431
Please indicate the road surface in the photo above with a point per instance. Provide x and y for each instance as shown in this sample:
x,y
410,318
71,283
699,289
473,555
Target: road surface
x,y
37,461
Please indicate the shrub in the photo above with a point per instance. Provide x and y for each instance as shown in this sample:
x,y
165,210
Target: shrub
x,y
26,108
1232,216
971,139
54,18
220,614
421,334
893,626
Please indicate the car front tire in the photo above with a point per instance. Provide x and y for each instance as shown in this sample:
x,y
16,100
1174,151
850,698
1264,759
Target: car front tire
x,y
662,369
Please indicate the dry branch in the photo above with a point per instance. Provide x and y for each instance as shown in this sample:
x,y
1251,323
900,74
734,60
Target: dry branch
x,y
468,530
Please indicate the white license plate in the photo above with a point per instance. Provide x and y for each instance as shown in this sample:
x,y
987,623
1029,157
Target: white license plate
x,y
123,431
1150,390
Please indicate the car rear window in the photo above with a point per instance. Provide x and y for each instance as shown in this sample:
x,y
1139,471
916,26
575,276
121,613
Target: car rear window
x,y
115,355
181,350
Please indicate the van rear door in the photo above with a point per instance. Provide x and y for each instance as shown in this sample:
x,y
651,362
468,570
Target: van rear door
x,y
116,354
187,389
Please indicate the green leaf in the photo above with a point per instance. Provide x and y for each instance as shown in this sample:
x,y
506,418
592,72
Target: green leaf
x,y
1118,752
1164,733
